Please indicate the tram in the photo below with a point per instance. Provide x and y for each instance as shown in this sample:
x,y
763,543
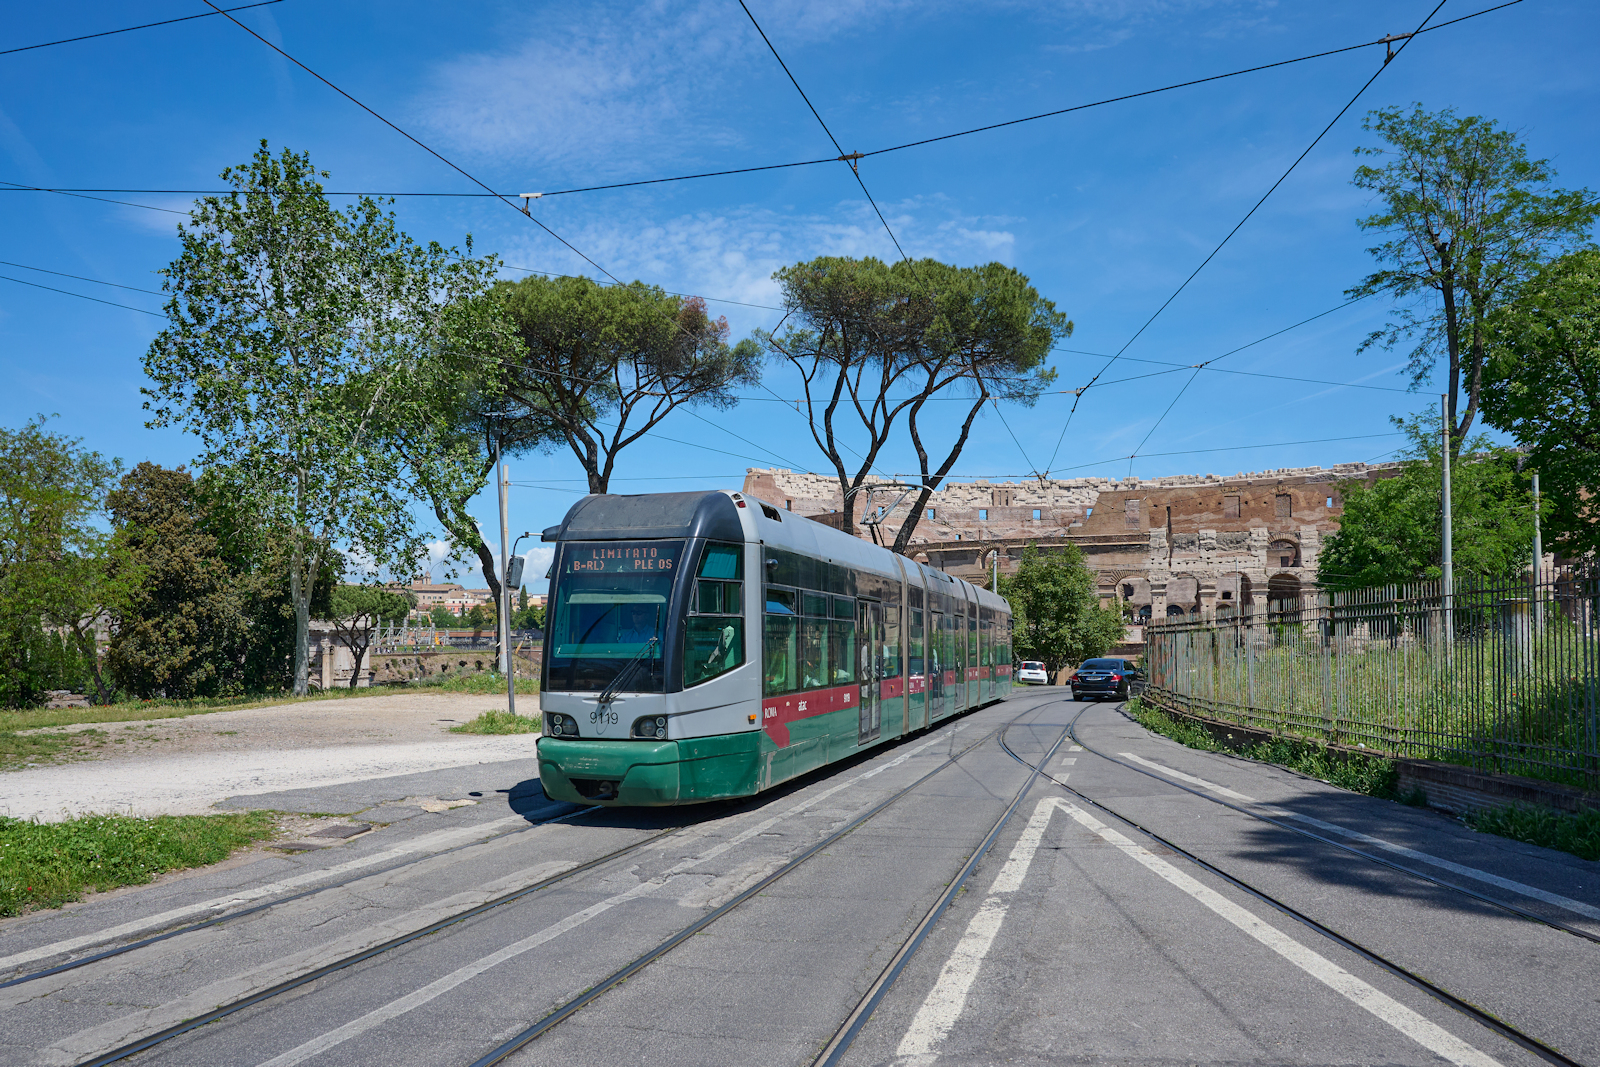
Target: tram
x,y
708,645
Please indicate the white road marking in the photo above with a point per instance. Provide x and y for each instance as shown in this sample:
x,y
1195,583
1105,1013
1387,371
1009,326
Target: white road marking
x,y
1548,897
1067,761
1191,779
944,1004
440,986
1567,903
1074,748
438,841
1430,1036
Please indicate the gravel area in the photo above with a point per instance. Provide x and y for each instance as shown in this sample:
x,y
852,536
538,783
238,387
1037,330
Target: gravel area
x,y
185,765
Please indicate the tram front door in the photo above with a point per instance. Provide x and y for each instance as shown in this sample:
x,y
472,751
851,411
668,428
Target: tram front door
x,y
869,667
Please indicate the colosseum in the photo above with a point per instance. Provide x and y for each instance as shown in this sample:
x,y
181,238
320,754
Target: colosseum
x,y
1186,544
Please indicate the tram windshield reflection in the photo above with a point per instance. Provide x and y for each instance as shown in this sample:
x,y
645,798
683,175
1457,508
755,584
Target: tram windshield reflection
x,y
610,600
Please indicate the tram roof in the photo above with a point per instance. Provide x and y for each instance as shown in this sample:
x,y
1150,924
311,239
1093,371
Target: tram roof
x,y
616,517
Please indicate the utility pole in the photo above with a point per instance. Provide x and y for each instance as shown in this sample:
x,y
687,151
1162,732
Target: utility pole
x,y
1447,587
1538,561
505,561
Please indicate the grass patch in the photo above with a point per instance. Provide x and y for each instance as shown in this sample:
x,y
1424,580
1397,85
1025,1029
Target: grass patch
x,y
1371,775
498,722
45,865
1578,834
484,683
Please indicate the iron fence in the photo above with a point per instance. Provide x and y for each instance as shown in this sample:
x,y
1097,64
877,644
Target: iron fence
x,y
1502,677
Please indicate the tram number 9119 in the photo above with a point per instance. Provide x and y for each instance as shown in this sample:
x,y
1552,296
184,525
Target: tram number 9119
x,y
602,718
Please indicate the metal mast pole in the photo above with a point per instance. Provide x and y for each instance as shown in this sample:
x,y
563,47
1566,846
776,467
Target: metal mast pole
x,y
1447,558
505,590
1538,560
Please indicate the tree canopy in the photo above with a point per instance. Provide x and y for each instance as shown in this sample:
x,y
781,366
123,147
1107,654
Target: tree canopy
x,y
1390,531
356,611
873,342
301,342
1466,216
56,554
1057,616
1543,388
603,365
209,612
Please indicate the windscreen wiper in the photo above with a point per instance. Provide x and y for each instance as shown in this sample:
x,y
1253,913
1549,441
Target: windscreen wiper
x,y
609,693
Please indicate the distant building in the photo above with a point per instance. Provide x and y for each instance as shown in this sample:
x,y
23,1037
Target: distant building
x,y
1177,545
452,596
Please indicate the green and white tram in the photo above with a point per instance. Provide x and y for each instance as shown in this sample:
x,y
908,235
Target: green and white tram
x,y
708,645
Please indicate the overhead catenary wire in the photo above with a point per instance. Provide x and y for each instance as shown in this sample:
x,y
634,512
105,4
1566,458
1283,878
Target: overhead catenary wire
x,y
81,296
843,156
1386,41
432,152
1407,39
130,29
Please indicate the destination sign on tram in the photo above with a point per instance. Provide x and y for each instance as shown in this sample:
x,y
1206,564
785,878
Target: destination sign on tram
x,y
625,557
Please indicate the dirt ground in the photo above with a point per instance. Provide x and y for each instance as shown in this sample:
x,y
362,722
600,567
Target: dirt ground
x,y
392,718
186,765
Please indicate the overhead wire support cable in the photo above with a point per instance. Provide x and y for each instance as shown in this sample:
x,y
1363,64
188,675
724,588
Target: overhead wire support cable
x,y
81,296
853,159
1393,53
130,29
81,278
459,170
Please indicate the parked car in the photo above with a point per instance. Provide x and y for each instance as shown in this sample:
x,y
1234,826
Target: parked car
x,y
1098,678
1032,672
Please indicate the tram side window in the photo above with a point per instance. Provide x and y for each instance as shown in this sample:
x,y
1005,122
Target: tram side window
x,y
891,641
914,642
972,641
713,639
780,641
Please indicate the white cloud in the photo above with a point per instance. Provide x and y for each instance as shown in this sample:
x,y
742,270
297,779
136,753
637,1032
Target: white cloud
x,y
732,255
594,89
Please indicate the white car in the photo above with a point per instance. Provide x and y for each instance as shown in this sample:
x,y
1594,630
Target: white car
x,y
1033,673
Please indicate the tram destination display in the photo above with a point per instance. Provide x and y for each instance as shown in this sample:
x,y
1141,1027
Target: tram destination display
x,y
628,557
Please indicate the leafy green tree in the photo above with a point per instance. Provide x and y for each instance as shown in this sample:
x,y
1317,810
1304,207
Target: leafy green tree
x,y
356,612
1389,532
56,557
528,617
478,618
1057,616
1466,216
874,342
302,343
1543,388
210,613
442,617
604,365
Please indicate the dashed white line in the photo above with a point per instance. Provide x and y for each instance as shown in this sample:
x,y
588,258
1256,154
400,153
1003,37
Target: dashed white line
x,y
442,985
945,1002
1429,1035
1191,779
1576,906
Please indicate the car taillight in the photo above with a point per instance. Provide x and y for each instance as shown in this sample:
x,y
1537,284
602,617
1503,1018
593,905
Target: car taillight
x,y
1074,677
1116,677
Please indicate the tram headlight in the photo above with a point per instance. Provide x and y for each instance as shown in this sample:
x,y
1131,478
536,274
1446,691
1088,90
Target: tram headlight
x,y
651,727
561,725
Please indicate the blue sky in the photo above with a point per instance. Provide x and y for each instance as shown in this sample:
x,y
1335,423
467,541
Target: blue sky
x,y
1106,209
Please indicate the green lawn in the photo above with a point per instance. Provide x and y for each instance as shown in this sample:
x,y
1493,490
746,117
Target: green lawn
x,y
45,865
498,722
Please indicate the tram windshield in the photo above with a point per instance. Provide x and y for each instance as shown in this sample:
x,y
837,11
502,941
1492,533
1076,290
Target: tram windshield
x,y
609,616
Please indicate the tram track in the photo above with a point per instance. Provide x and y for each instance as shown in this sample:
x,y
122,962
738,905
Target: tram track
x,y
841,1039
267,905
222,1011
1434,880
1437,992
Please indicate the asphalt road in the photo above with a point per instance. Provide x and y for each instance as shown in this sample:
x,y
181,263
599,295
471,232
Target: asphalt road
x,y
1075,939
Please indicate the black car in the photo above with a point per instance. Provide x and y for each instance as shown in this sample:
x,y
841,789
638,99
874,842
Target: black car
x,y
1105,678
